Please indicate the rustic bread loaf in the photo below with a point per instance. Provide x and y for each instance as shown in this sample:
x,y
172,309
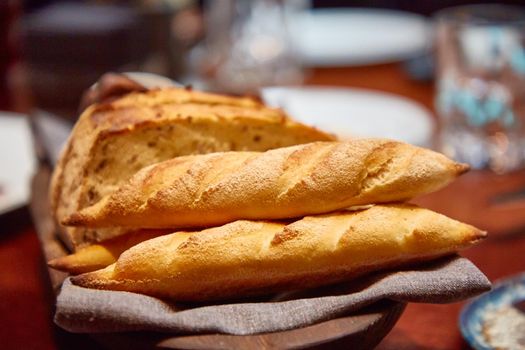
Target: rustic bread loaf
x,y
248,257
111,141
213,189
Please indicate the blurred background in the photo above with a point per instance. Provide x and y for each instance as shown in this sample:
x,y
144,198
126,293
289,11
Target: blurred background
x,y
467,67
448,75
53,50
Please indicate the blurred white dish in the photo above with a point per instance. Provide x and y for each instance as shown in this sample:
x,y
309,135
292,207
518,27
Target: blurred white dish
x,y
152,81
355,112
17,161
336,37
149,80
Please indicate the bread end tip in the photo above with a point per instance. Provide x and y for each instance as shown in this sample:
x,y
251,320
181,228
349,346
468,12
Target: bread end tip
x,y
99,279
88,280
480,234
73,220
56,264
476,235
462,168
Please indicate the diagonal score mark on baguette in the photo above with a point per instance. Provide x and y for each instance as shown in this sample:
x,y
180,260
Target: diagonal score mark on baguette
x,y
302,161
378,170
220,173
258,257
281,183
287,167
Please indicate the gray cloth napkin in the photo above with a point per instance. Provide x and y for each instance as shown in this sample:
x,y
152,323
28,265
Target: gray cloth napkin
x,y
92,311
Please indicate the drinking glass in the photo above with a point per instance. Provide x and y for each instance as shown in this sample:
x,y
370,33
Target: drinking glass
x,y
248,45
481,85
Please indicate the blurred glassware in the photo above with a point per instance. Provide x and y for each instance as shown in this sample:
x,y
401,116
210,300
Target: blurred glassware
x,y
247,45
481,85
163,44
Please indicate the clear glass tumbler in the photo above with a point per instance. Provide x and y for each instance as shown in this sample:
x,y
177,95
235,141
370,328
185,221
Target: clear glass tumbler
x,y
248,45
481,85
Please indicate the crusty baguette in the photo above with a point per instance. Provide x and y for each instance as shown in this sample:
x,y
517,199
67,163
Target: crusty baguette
x,y
249,257
112,141
214,189
99,255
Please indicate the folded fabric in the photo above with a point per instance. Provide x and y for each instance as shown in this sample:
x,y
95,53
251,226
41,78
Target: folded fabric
x,y
85,310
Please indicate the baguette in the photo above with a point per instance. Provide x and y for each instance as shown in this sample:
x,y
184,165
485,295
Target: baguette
x,y
112,141
249,258
213,189
97,256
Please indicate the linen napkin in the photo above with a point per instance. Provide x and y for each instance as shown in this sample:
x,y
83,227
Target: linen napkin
x,y
85,310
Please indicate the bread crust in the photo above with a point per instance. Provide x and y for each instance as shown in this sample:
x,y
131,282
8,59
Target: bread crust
x,y
111,141
245,258
213,189
99,255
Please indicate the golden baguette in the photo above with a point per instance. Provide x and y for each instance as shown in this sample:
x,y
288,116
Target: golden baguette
x,y
112,141
213,189
248,257
100,255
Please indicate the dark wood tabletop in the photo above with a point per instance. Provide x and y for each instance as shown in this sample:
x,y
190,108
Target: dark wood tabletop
x,y
26,300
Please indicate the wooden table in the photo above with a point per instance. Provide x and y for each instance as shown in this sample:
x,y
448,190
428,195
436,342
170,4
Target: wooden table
x,y
25,308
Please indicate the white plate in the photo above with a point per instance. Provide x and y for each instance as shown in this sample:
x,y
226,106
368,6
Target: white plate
x,y
355,112
335,37
17,161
